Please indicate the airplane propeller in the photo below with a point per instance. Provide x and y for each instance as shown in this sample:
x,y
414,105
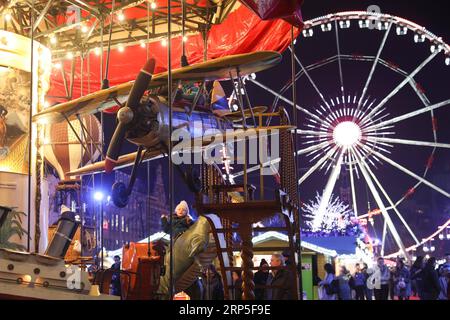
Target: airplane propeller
x,y
127,114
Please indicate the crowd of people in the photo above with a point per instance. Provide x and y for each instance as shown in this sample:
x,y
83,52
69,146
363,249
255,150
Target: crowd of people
x,y
422,280
277,284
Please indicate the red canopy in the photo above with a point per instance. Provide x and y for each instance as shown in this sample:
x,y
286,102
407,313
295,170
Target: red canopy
x,y
241,32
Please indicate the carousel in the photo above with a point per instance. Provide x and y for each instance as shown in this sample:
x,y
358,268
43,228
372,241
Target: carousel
x,y
159,66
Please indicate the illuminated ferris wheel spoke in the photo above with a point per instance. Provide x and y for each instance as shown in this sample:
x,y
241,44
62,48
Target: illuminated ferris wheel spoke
x,y
374,65
412,142
380,204
402,84
312,132
383,237
376,146
352,185
312,148
341,77
406,195
392,206
257,167
319,154
318,163
377,130
279,96
310,79
412,114
410,173
327,192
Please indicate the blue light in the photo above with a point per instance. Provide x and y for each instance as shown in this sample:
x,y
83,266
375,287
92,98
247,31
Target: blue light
x,y
98,196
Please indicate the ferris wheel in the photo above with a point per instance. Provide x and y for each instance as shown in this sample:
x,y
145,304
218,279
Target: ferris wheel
x,y
357,126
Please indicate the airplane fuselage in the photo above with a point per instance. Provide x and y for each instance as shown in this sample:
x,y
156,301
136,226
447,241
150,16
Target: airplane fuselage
x,y
155,122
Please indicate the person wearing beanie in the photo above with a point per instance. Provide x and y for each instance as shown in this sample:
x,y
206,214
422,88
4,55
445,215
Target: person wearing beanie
x,y
260,280
181,220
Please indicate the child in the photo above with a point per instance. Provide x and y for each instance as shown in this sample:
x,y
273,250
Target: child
x,y
181,220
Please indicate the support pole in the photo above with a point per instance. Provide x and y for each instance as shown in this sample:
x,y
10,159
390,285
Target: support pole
x,y
30,131
297,230
248,285
169,101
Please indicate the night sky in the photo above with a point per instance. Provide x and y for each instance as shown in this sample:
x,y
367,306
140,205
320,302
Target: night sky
x,y
426,209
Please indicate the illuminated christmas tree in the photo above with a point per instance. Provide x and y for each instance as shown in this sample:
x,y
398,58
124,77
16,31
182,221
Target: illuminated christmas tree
x,y
336,219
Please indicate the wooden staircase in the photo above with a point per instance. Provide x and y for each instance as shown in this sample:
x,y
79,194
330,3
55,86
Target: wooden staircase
x,y
231,209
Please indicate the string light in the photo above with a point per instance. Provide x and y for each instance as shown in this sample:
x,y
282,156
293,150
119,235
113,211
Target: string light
x,y
121,48
8,17
69,55
121,16
164,42
153,5
58,65
84,29
53,39
97,51
142,43
185,39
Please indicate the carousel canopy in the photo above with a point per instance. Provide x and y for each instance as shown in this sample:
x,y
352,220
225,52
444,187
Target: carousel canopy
x,y
78,33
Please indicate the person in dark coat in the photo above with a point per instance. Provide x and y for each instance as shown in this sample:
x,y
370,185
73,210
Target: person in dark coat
x,y
359,282
367,291
213,284
282,281
402,278
287,258
181,220
260,279
237,283
416,276
344,277
430,279
115,286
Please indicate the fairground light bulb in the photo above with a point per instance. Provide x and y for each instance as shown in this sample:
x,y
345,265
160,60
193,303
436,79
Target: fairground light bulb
x,y
153,5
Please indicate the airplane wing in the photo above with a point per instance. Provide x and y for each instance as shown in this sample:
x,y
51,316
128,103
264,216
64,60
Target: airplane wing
x,y
216,69
200,143
122,162
128,159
